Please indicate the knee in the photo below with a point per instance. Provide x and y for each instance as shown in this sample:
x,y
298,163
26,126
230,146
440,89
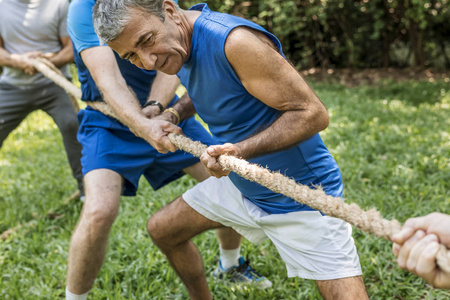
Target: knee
x,y
174,224
156,229
98,220
164,231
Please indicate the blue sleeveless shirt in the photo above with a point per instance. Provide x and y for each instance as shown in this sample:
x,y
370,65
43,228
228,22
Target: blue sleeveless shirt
x,y
233,114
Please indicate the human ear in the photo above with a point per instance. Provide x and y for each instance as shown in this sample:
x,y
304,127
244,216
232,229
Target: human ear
x,y
171,11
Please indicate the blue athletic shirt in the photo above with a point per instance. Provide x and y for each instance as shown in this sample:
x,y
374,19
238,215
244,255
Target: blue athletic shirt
x,y
108,144
233,114
83,36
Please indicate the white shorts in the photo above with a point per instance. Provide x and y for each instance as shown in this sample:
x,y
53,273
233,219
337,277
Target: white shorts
x,y
313,246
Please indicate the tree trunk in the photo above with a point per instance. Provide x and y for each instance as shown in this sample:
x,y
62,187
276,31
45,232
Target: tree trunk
x,y
417,44
386,49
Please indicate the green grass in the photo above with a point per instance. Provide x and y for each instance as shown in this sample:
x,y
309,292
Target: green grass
x,y
391,142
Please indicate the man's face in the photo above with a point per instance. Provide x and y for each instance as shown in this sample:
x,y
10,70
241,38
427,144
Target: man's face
x,y
151,44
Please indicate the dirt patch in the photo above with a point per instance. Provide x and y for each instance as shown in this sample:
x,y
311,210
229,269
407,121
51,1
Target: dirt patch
x,y
355,77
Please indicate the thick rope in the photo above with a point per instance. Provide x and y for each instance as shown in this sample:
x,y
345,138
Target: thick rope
x,y
50,71
53,73
368,221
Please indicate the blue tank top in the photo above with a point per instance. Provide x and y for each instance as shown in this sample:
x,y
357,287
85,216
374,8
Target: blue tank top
x,y
233,114
83,36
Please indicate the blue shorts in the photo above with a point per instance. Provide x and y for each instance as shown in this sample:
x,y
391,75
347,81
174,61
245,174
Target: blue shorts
x,y
107,144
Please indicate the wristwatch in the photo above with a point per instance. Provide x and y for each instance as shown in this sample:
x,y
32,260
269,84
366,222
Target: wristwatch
x,y
154,103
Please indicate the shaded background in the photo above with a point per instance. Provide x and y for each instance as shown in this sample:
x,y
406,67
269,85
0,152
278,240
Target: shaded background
x,y
352,34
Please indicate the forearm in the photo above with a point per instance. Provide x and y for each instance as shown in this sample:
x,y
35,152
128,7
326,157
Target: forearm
x,y
184,107
115,91
124,103
63,57
163,88
129,111
291,128
9,60
109,80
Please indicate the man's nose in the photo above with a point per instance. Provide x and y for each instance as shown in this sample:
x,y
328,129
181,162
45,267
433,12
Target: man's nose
x,y
148,60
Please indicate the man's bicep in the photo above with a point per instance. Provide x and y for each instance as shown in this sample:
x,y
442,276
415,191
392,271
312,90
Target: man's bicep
x,y
264,72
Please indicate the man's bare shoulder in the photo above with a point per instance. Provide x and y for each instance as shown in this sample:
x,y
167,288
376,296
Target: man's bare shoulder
x,y
243,37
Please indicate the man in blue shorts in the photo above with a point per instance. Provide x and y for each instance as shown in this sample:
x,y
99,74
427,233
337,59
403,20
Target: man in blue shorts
x,y
113,157
258,108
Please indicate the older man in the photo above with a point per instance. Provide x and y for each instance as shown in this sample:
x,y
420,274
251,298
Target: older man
x,y
259,108
114,158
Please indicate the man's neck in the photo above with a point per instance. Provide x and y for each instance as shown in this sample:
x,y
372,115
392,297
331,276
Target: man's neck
x,y
188,20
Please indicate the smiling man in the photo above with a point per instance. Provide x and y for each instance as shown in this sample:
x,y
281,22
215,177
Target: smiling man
x,y
258,108
117,154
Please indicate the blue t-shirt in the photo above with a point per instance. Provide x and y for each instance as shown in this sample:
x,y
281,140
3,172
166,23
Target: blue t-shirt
x,y
233,114
83,36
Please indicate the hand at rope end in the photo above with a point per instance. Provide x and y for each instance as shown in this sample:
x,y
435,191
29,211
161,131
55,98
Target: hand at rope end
x,y
437,223
417,248
155,131
210,158
24,61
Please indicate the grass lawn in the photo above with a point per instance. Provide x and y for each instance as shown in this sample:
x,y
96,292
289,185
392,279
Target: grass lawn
x,y
392,142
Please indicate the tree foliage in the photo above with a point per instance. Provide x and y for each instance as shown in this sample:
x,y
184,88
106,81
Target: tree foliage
x,y
344,33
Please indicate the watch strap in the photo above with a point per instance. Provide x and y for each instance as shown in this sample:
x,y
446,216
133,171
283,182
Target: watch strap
x,y
154,103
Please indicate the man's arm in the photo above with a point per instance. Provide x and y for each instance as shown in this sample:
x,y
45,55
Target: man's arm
x,y
63,56
18,61
23,61
163,89
270,78
184,107
104,69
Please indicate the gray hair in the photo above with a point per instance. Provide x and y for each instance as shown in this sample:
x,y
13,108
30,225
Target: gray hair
x,y
111,16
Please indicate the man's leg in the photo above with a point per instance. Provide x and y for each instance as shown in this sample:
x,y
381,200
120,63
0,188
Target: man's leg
x,y
14,107
229,239
230,266
229,247
58,105
317,247
351,288
171,229
89,240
